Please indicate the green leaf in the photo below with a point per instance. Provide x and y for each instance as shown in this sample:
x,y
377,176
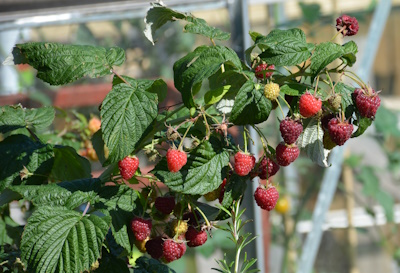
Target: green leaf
x,y
198,65
293,89
10,231
149,265
251,106
62,240
98,146
127,114
59,64
234,189
350,50
159,15
120,202
19,151
200,26
215,95
68,165
110,263
363,125
311,141
203,172
324,54
255,35
345,92
14,117
158,86
283,47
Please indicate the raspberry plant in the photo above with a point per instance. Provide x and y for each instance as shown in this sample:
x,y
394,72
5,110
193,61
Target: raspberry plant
x,y
81,223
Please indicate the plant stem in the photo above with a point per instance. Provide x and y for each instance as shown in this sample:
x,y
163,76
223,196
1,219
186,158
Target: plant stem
x,y
86,209
236,235
33,134
116,74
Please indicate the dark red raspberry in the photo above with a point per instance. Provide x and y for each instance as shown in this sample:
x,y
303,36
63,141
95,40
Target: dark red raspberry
x,y
367,101
176,159
222,192
165,204
286,154
266,198
267,168
350,25
261,71
128,166
244,163
141,228
325,120
154,247
290,130
192,218
173,250
195,237
339,131
309,105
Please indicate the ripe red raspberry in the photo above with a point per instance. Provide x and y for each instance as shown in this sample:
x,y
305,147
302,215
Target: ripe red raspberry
x,y
350,25
154,247
290,130
266,198
367,101
195,237
267,168
165,204
173,250
222,192
141,228
176,159
339,131
261,71
244,163
128,166
309,105
286,154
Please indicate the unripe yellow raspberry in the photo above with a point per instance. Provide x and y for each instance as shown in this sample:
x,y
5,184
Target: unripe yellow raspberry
x,y
141,245
178,227
271,91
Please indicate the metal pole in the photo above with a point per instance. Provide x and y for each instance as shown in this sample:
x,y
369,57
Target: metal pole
x,y
331,175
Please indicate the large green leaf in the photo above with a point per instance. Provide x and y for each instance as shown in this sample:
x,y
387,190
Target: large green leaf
x,y
283,47
311,141
120,203
14,117
293,89
324,54
203,62
57,239
234,189
202,173
69,165
345,92
251,106
126,116
19,151
149,265
158,86
59,64
158,15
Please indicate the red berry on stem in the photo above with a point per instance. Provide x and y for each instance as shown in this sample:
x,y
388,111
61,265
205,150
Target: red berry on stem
x,y
286,154
339,131
195,237
290,130
141,228
350,25
266,198
176,159
154,247
267,168
261,71
173,250
309,105
244,163
367,101
128,166
165,204
222,192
